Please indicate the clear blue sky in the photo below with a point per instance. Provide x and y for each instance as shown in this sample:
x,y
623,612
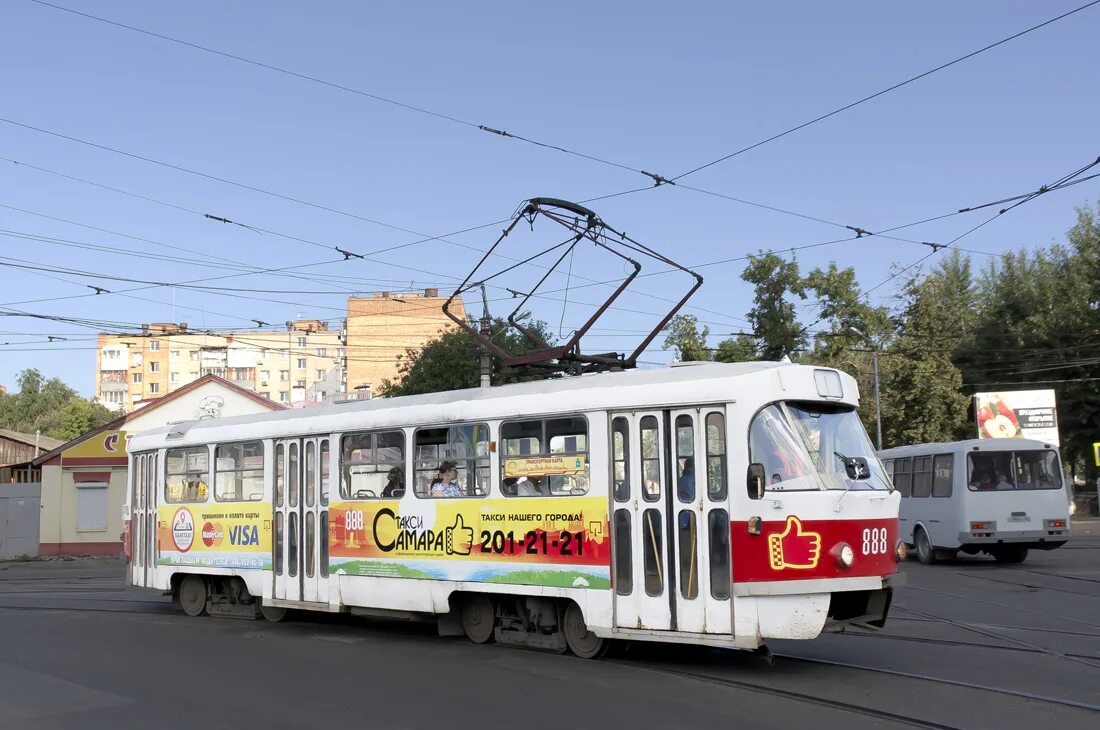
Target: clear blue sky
x,y
652,85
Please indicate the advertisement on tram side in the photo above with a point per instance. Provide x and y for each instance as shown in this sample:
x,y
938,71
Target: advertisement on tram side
x,y
556,542
1029,414
214,536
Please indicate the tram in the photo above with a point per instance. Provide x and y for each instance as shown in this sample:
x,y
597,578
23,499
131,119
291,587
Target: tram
x,y
714,504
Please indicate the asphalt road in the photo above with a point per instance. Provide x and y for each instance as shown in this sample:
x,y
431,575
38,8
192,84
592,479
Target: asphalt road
x,y
970,645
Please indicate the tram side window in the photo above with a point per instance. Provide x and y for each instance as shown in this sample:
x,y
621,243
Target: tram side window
x,y
716,456
620,459
922,476
903,476
685,458
943,473
452,461
239,472
543,458
372,465
651,459
186,474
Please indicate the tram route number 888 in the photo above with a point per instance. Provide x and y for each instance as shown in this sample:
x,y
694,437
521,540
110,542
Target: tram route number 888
x,y
874,541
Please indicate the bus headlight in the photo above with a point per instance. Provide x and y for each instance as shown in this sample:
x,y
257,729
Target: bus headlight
x,y
901,551
845,556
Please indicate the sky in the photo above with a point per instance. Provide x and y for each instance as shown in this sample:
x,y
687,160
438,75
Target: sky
x,y
647,85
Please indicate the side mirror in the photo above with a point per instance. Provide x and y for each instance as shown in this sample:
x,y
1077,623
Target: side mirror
x,y
857,468
756,482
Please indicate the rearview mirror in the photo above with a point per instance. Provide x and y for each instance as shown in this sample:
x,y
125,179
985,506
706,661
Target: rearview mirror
x,y
756,478
857,468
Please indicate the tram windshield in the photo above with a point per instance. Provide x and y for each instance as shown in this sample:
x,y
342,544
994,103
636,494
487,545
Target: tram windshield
x,y
805,446
1001,470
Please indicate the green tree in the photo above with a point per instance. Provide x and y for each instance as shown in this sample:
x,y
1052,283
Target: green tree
x,y
50,406
741,348
773,316
451,361
685,337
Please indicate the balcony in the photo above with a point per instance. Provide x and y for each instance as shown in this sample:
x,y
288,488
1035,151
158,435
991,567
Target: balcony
x,y
113,387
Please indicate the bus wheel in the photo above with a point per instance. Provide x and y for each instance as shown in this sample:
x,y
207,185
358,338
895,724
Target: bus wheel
x,y
925,552
580,640
478,618
274,614
192,595
1010,554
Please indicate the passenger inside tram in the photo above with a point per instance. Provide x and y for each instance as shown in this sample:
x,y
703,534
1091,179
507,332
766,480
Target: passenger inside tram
x,y
685,485
446,482
395,484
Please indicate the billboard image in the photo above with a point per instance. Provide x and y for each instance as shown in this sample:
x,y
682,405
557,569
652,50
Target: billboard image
x,y
1029,414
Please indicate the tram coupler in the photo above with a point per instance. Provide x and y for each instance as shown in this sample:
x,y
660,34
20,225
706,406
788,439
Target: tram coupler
x,y
763,652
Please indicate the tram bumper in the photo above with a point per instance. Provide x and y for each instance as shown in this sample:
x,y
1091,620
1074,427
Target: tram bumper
x,y
864,608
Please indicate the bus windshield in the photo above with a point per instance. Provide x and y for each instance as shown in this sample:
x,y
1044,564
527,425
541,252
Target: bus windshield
x,y
804,446
1002,470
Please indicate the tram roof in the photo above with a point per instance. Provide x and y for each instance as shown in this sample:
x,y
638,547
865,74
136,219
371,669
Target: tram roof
x,y
679,373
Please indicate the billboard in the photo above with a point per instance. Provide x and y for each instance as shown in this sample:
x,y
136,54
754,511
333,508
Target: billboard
x,y
1029,414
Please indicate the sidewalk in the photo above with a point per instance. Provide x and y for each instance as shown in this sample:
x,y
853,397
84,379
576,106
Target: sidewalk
x,y
1084,525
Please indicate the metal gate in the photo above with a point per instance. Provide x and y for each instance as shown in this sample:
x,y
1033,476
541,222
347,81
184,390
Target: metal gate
x,y
19,518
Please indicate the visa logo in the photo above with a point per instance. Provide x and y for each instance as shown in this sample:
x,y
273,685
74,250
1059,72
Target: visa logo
x,y
244,535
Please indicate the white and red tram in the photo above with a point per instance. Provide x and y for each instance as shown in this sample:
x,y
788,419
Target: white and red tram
x,y
703,503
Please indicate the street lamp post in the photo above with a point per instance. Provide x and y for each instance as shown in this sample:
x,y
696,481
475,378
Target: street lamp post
x,y
874,365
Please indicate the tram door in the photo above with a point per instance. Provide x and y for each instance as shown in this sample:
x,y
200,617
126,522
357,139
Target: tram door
x,y
300,543
143,518
670,522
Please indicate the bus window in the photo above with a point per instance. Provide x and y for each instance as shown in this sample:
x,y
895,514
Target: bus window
x,y
903,476
943,473
239,472
452,461
1037,470
620,459
186,472
372,465
543,458
922,476
716,456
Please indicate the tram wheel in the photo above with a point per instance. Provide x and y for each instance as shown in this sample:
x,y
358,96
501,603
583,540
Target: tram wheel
x,y
192,595
580,640
274,614
478,618
925,552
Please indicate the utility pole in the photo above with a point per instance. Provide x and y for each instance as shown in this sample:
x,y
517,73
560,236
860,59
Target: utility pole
x,y
485,330
874,365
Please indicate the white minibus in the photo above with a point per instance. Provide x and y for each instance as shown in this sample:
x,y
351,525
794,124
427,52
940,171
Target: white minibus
x,y
998,496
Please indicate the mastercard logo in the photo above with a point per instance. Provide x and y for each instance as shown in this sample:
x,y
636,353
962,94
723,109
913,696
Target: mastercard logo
x,y
212,534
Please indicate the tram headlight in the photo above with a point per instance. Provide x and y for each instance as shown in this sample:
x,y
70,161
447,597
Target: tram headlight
x,y
901,551
845,555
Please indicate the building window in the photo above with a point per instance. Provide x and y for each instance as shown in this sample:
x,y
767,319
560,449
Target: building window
x,y
544,457
173,377
154,367
320,374
340,352
299,383
265,375
321,395
301,342
283,396
154,345
265,394
154,387
302,363
284,375
174,354
194,355
137,378
239,472
321,352
91,507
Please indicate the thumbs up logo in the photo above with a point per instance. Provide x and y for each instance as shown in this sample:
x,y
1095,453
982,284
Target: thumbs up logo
x,y
794,548
459,539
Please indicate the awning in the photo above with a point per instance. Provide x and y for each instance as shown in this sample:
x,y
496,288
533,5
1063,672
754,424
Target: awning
x,y
81,477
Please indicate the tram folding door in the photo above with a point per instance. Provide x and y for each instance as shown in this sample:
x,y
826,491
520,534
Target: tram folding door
x,y
670,520
301,520
143,518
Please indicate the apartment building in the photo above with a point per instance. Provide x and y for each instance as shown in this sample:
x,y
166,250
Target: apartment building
x,y
309,362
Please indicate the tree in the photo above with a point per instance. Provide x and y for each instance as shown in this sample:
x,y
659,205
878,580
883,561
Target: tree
x,y
773,317
451,361
687,339
50,406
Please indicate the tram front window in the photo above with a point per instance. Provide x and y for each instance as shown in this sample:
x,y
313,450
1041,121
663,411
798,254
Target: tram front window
x,y
805,446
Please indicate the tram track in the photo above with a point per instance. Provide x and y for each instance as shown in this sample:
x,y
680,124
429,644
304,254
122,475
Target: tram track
x,y
996,604
1062,632
1030,585
967,644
